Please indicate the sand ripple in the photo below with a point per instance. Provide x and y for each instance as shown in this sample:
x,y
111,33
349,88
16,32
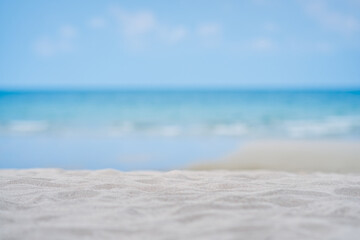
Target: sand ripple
x,y
108,204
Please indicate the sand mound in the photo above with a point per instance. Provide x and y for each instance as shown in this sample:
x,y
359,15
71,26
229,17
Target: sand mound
x,y
108,204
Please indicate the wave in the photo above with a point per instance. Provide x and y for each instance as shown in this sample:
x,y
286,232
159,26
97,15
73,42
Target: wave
x,y
300,128
330,126
26,127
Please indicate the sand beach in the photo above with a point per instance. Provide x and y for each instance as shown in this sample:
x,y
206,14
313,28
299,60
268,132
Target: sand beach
x,y
194,120
110,204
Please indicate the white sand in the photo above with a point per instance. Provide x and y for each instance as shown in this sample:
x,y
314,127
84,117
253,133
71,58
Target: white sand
x,y
108,204
292,155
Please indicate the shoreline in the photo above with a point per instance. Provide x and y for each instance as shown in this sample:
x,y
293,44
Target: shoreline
x,y
290,155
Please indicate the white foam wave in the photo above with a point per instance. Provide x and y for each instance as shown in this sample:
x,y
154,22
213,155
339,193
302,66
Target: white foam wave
x,y
28,126
331,126
327,127
170,131
230,130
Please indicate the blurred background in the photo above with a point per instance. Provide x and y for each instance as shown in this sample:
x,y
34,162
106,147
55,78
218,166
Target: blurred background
x,y
158,85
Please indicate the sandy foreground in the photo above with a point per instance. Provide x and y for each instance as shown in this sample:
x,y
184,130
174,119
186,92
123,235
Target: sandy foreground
x,y
109,204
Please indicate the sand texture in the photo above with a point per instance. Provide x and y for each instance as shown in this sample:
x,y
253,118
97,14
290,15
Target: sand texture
x,y
109,204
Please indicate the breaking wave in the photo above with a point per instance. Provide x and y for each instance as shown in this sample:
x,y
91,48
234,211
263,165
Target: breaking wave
x,y
327,127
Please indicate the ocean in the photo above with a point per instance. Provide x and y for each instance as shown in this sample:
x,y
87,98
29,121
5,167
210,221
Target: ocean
x,y
161,129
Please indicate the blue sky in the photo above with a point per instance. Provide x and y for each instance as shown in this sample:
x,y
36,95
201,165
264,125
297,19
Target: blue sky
x,y
227,43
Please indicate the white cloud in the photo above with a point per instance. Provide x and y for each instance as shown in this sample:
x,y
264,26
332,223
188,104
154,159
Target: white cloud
x,y
63,42
209,34
44,47
140,23
324,47
262,44
174,35
142,27
67,32
332,20
97,22
210,29
136,24
261,2
271,27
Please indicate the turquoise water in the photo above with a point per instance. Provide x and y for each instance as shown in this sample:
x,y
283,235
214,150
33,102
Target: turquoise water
x,y
148,129
182,113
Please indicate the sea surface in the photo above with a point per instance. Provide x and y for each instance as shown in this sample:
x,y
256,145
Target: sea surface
x,y
161,129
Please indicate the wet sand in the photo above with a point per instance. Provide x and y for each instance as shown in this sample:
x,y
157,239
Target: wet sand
x,y
291,155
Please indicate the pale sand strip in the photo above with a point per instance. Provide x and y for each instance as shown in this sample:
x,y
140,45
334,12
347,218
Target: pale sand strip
x,y
108,204
292,155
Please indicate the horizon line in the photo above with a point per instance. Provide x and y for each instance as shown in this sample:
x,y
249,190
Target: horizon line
x,y
175,88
